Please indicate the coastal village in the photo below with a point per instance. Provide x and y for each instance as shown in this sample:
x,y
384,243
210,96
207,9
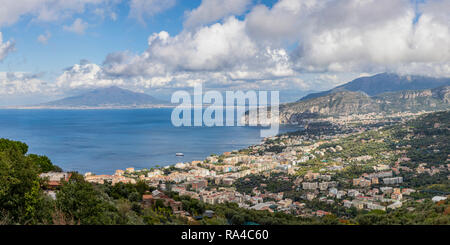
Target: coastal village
x,y
311,167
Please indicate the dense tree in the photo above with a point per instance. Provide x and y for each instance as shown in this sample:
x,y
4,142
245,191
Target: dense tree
x,y
86,205
21,198
44,163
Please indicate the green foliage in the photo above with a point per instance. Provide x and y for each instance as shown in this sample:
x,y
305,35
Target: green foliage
x,y
20,193
426,213
193,206
44,163
353,171
127,213
86,205
7,145
239,216
275,149
272,184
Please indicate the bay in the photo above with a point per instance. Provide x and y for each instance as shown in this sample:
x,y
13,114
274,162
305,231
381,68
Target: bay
x,y
101,141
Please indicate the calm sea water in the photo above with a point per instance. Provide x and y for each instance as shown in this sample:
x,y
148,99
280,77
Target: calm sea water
x,y
102,141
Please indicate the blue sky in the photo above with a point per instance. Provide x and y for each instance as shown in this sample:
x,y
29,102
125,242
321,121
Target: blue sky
x,y
102,37
157,46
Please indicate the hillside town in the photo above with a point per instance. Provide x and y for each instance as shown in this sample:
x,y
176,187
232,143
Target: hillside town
x,y
304,174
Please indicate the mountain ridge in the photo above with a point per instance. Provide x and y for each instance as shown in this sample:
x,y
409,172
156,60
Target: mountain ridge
x,y
384,82
344,103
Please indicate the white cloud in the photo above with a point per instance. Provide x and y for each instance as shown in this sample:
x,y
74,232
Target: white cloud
x,y
220,53
5,47
438,8
296,44
78,26
43,38
354,35
108,10
20,83
44,10
219,46
213,10
12,11
384,43
89,75
139,9
283,21
334,37
84,76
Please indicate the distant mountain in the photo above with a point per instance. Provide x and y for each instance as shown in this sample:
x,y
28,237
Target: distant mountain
x,y
385,82
344,103
107,97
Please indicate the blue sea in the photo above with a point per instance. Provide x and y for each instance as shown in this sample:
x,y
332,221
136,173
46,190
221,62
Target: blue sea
x,y
101,141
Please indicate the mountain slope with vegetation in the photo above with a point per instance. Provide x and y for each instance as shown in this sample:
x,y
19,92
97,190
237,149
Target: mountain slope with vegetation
x,y
348,103
385,82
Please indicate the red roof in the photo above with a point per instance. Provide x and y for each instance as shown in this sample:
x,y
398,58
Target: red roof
x,y
54,183
147,197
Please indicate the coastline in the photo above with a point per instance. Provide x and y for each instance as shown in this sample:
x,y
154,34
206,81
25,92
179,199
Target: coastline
x,y
336,121
111,107
86,140
197,161
87,108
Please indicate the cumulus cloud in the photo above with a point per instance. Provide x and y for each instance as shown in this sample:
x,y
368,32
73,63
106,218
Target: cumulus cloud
x,y
219,46
295,44
56,10
213,10
438,8
5,47
84,75
376,39
330,37
20,83
44,10
352,35
281,22
43,38
139,9
89,75
78,26
220,54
